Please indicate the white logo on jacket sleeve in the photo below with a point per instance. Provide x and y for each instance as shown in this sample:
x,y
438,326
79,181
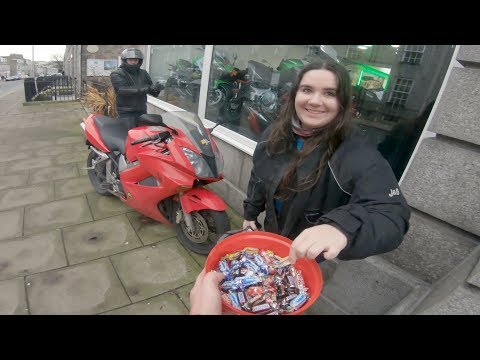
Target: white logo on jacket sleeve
x,y
394,192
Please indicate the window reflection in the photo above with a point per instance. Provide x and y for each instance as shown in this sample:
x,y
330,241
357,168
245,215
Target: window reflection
x,y
179,68
393,86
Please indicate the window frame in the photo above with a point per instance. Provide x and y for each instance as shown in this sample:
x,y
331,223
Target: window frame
x,y
353,50
415,53
393,94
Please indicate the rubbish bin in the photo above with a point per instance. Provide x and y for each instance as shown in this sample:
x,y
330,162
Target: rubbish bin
x,y
30,91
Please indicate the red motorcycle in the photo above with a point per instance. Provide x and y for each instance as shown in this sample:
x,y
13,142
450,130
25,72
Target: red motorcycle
x,y
160,170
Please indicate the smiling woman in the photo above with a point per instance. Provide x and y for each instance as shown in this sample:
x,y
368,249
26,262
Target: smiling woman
x,y
319,181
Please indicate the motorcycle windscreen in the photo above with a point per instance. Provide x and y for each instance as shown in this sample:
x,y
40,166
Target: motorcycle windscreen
x,y
191,125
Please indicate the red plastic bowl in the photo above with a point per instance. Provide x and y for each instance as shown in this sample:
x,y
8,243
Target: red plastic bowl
x,y
280,245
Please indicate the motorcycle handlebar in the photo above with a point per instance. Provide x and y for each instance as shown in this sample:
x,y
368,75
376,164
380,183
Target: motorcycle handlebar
x,y
162,136
140,141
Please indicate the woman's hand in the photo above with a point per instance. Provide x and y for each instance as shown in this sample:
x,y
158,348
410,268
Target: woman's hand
x,y
205,296
317,239
247,223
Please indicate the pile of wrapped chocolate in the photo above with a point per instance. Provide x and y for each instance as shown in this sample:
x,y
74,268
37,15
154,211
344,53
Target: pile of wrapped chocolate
x,y
260,282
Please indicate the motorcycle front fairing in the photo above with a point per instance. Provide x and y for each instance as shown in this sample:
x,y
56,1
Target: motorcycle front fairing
x,y
206,161
202,153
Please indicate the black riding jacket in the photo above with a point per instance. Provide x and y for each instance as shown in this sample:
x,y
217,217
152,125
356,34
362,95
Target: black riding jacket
x,y
357,193
131,89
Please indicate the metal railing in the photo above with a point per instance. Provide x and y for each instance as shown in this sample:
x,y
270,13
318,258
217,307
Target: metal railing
x,y
50,88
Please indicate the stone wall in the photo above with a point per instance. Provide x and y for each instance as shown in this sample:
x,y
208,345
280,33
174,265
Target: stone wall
x,y
442,186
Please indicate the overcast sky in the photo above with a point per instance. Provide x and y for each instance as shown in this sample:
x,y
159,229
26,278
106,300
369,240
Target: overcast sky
x,y
41,52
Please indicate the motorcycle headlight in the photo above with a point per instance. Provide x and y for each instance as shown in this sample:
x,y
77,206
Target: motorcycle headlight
x,y
199,164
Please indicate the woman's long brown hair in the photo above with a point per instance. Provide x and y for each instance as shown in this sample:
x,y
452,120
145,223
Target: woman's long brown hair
x,y
282,140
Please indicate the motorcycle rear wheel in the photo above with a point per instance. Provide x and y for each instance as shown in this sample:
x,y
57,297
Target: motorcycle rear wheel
x,y
98,176
209,225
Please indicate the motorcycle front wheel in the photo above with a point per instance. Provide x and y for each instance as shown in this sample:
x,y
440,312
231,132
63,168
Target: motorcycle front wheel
x,y
214,97
98,175
209,226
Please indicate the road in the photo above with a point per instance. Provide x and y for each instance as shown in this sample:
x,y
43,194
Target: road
x,y
7,87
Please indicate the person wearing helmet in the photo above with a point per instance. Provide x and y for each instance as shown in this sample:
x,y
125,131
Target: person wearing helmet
x,y
131,85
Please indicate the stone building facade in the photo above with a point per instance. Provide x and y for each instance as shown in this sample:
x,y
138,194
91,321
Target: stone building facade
x,y
78,57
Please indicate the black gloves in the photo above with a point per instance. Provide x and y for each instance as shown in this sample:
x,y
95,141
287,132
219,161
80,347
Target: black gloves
x,y
154,88
157,87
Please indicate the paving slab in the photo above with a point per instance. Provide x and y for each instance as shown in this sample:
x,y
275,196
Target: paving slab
x,y
56,214
72,187
12,223
51,151
79,146
33,163
34,194
106,206
15,155
166,304
150,231
464,300
360,287
12,297
71,140
89,288
150,271
199,258
5,148
98,239
34,144
72,157
81,168
184,293
31,254
53,173
30,123
324,306
14,180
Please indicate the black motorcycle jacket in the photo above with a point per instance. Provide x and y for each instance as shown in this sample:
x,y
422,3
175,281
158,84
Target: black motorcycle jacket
x,y
357,193
131,87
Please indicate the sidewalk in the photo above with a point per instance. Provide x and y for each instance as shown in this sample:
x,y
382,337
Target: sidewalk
x,y
65,249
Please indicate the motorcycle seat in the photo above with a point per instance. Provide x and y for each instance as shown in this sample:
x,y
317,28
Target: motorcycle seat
x,y
113,132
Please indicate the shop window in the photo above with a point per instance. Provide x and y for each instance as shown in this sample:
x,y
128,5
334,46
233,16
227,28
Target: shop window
x,y
413,54
179,69
247,85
